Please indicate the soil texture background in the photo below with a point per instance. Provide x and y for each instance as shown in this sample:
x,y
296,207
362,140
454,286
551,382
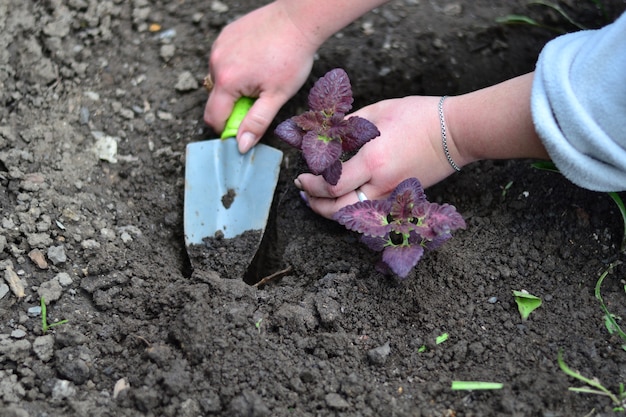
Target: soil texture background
x,y
100,98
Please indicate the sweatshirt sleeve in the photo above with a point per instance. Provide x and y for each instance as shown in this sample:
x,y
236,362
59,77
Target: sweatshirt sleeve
x,y
578,105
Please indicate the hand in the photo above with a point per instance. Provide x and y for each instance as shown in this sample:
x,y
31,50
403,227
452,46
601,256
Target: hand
x,y
409,146
262,55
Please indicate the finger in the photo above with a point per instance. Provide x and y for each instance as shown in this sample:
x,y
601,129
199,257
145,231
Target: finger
x,y
354,175
218,108
258,119
327,207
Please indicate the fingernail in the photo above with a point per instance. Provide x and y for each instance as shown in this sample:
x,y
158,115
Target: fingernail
x,y
304,198
246,141
297,183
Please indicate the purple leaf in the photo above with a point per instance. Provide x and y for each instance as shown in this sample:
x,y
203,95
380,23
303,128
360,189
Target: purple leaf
x,y
332,93
359,131
368,217
442,219
311,121
320,152
375,243
414,186
402,206
401,259
437,241
290,133
333,172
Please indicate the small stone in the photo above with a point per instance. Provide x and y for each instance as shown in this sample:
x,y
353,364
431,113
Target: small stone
x,y
121,385
336,401
15,284
38,258
105,147
43,346
378,356
56,254
90,244
4,290
167,52
163,115
64,279
63,389
34,311
50,291
186,82
18,334
219,7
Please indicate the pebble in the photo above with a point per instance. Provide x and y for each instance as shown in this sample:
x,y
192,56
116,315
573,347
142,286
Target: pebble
x,y
83,115
34,311
50,291
90,244
167,52
56,254
163,115
336,401
64,279
379,355
219,7
4,290
186,82
18,334
43,346
38,258
105,146
63,389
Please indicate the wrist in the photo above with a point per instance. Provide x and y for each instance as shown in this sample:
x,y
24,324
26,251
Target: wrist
x,y
493,123
318,20
449,132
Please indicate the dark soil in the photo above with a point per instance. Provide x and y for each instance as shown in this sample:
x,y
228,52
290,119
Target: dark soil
x,y
152,332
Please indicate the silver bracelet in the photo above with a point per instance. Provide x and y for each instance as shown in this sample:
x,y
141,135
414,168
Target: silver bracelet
x,y
444,137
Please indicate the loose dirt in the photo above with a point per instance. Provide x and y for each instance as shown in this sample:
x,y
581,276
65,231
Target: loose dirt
x,y
99,99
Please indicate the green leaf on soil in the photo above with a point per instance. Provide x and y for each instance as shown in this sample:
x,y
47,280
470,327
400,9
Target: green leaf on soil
x,y
440,339
609,318
594,386
45,326
475,385
526,303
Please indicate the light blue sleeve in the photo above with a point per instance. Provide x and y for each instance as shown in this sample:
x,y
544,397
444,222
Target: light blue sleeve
x,y
578,105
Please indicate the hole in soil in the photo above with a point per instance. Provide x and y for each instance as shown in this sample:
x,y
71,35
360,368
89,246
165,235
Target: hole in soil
x,y
266,260
249,256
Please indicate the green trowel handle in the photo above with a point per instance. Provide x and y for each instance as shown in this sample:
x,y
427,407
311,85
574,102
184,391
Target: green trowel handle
x,y
242,105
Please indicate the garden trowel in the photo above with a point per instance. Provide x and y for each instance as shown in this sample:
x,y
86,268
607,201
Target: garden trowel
x,y
227,193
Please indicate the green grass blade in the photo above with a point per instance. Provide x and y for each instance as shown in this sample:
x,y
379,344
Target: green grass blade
x,y
559,10
622,209
44,312
475,385
590,382
607,314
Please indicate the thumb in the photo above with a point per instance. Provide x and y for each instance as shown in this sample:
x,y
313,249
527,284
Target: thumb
x,y
257,121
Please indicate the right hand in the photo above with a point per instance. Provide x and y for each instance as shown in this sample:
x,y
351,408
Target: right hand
x,y
262,55
409,146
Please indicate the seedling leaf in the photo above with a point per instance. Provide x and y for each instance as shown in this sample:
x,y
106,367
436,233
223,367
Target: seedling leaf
x,y
622,209
526,303
475,385
599,388
44,317
609,319
440,339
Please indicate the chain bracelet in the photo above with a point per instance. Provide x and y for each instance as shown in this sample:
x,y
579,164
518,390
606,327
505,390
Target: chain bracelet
x,y
444,137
